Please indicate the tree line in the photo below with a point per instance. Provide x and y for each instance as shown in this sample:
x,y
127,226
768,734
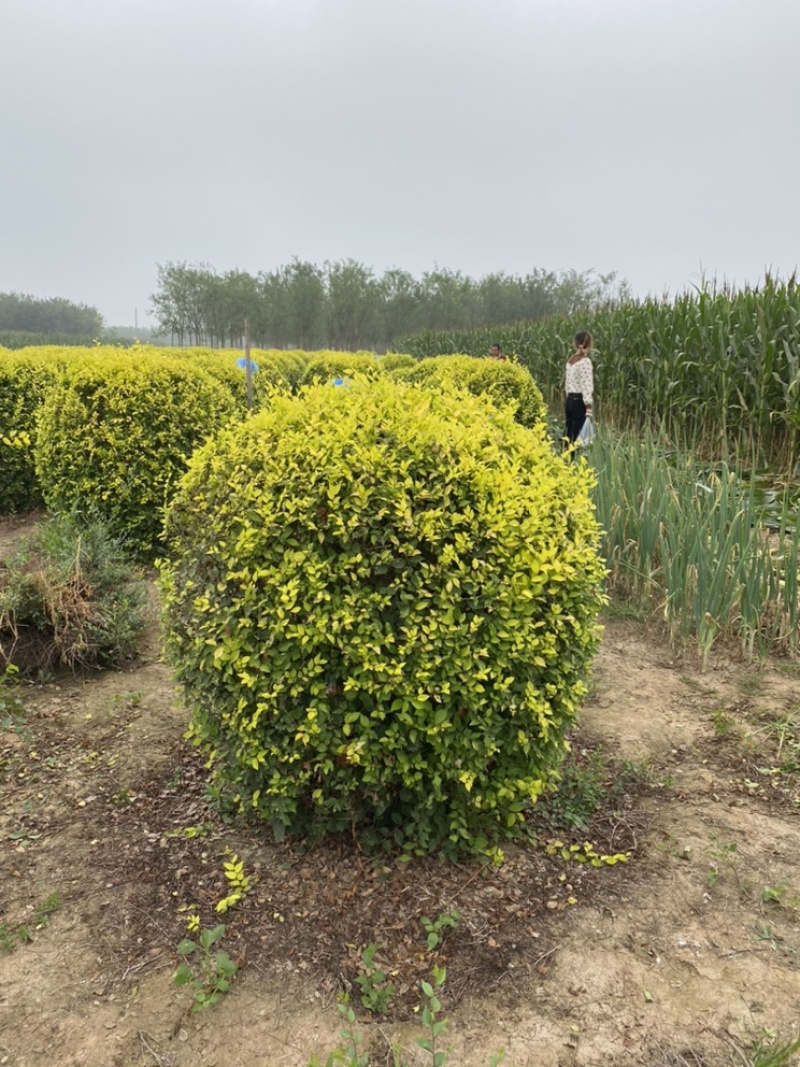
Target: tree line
x,y
21,314
345,305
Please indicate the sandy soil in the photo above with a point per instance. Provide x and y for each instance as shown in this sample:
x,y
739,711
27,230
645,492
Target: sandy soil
x,y
683,954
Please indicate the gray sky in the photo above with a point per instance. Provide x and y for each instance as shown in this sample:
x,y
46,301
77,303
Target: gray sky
x,y
656,138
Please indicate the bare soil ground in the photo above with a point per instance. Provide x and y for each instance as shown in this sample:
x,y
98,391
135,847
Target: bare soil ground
x,y
681,955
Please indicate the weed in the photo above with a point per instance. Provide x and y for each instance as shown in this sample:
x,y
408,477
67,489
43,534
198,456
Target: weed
x,y
699,687
201,830
214,972
722,722
782,896
436,929
130,699
11,937
435,1029
581,790
721,858
631,608
48,907
767,1052
349,1056
10,708
751,683
634,773
764,932
786,733
377,992
434,1026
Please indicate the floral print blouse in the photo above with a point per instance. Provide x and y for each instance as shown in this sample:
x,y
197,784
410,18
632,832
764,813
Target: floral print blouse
x,y
580,379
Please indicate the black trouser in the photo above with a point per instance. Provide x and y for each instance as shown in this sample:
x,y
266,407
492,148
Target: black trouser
x,y
576,415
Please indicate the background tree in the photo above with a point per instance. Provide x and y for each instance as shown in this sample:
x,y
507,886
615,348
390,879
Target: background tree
x,y
56,317
305,297
344,305
353,302
401,306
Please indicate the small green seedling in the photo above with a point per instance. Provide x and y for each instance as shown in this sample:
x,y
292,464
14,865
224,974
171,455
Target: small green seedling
x,y
214,972
47,908
768,1051
434,1026
436,929
351,1055
377,992
721,857
10,708
13,936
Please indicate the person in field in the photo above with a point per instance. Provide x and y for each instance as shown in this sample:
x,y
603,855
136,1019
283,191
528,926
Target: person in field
x,y
496,352
578,386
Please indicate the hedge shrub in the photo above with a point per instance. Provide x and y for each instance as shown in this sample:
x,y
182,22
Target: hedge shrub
x,y
291,363
25,377
323,367
504,381
115,435
380,602
396,361
268,377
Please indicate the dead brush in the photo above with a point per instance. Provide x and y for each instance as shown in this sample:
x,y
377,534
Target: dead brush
x,y
69,599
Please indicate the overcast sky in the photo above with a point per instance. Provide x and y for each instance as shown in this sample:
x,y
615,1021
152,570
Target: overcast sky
x,y
659,139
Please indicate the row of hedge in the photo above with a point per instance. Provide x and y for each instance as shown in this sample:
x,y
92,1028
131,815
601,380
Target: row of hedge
x,y
110,430
380,591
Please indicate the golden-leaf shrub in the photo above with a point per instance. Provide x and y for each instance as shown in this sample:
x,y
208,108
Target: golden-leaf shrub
x,y
502,380
323,367
115,434
25,377
381,604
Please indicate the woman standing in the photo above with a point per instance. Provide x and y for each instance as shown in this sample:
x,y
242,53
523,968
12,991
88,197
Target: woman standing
x,y
579,385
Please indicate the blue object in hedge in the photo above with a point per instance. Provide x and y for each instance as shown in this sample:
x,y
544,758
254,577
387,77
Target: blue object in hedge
x,y
242,362
338,381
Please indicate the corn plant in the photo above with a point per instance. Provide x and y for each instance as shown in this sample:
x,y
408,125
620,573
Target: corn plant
x,y
719,370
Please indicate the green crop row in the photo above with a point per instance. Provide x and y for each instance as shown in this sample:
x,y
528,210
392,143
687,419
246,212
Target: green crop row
x,y
690,545
717,370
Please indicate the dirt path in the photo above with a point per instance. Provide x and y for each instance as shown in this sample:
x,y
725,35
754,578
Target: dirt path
x,y
690,946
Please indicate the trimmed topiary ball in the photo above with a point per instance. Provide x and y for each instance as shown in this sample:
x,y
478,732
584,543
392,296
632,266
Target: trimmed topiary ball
x,y
115,435
325,367
380,602
504,381
394,362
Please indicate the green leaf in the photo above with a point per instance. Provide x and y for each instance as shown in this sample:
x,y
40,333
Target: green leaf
x,y
182,975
